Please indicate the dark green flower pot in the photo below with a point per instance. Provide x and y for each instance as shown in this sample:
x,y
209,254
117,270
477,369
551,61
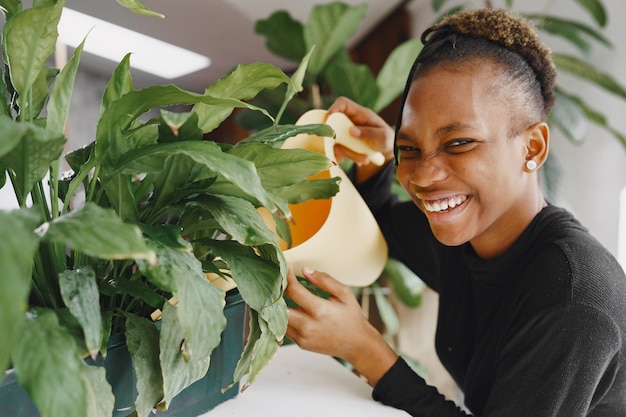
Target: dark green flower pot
x,y
200,397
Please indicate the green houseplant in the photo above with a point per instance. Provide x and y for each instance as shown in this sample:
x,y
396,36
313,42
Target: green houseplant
x,y
162,208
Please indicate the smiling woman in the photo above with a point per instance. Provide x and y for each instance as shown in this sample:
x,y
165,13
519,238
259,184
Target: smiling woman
x,y
532,314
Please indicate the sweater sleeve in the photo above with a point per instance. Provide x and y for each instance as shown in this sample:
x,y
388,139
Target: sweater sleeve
x,y
402,388
562,363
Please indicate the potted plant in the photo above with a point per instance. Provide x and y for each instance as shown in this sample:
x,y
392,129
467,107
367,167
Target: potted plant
x,y
146,213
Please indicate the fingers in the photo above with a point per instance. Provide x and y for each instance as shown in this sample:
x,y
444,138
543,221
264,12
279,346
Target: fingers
x,y
360,115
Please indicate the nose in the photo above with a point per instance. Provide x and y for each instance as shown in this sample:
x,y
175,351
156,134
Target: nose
x,y
426,172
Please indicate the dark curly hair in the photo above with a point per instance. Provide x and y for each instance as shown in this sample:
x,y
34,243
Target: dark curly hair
x,y
495,35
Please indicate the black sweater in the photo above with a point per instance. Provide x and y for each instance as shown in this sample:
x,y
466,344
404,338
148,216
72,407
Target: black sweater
x,y
539,331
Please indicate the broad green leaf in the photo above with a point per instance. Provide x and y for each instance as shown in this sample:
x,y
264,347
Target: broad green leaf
x,y
407,286
59,104
261,352
142,339
244,83
115,121
30,159
393,75
29,39
437,5
283,35
329,27
10,7
275,315
137,7
572,31
588,72
592,114
97,232
177,126
297,78
278,134
208,154
355,81
119,84
596,9
569,118
281,167
12,133
387,313
258,279
180,367
16,263
306,190
48,366
200,304
79,290
100,398
238,218
31,108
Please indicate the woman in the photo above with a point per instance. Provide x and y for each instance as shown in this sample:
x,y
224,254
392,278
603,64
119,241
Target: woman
x,y
532,315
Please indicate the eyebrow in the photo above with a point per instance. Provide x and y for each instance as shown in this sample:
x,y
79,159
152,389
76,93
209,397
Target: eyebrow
x,y
442,130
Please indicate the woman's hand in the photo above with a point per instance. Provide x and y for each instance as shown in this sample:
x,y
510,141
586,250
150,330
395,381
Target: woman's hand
x,y
336,326
368,126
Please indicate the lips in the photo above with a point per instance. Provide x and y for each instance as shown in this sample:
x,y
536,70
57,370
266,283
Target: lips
x,y
444,204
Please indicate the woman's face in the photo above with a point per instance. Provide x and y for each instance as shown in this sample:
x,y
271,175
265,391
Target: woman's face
x,y
461,159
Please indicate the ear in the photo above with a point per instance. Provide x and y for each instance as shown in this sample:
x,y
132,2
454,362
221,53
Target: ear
x,y
537,144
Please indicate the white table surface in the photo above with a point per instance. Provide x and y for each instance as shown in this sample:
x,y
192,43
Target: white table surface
x,y
305,384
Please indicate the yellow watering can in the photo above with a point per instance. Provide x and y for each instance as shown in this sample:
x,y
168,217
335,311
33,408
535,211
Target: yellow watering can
x,y
339,235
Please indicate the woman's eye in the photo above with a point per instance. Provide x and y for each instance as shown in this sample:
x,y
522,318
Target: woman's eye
x,y
460,145
408,151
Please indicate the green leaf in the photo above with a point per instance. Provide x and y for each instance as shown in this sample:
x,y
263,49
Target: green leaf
x,y
596,9
569,117
278,134
59,104
10,7
355,81
297,79
111,140
142,339
16,263
570,30
119,84
395,71
258,279
31,108
283,35
48,366
260,348
137,7
200,304
29,39
408,286
588,72
244,83
80,294
591,114
97,232
281,167
180,368
176,126
238,218
208,154
388,315
30,159
100,399
437,5
12,133
329,27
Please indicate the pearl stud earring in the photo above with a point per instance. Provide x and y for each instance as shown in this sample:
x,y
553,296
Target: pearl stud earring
x,y
531,165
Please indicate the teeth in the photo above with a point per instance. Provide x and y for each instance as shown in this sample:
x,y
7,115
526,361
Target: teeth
x,y
435,206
